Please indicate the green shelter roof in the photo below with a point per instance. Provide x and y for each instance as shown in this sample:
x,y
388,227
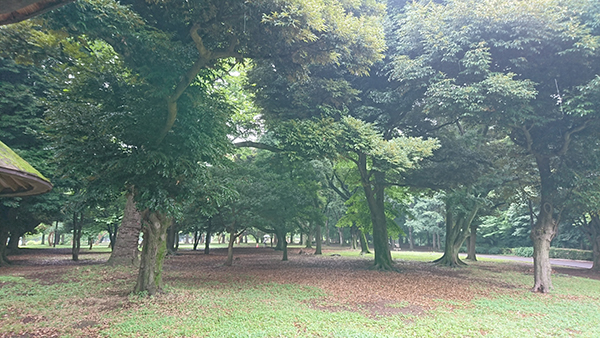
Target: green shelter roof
x,y
19,178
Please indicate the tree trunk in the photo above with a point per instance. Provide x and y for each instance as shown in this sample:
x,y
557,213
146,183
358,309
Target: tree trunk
x,y
327,238
353,238
77,227
309,240
472,255
318,239
3,238
153,253
457,230
285,251
232,237
593,230
13,242
364,244
279,240
43,238
411,240
196,239
301,237
207,243
125,248
341,234
544,229
171,239
375,200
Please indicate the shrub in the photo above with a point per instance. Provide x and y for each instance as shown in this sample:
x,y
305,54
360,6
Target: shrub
x,y
523,251
584,255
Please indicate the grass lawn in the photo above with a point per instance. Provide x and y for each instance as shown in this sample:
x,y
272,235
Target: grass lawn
x,y
46,295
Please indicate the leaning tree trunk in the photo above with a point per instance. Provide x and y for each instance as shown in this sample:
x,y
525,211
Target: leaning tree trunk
x,y
125,250
457,230
153,253
318,239
196,239
364,244
232,237
544,229
472,255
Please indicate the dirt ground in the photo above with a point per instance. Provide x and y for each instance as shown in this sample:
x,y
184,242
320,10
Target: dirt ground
x,y
348,281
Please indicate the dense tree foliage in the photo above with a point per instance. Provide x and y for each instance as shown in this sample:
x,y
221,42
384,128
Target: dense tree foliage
x,y
471,121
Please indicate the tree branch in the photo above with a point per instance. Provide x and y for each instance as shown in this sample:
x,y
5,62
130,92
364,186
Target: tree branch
x,y
567,138
257,145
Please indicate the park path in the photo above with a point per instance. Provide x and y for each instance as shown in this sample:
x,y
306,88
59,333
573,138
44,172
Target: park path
x,y
553,261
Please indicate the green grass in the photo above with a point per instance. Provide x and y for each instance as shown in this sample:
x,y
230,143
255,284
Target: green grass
x,y
245,307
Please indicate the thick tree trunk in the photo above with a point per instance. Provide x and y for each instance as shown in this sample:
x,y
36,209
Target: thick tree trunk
x,y
341,234
308,240
411,240
457,230
13,242
3,238
318,239
472,255
153,253
125,249
43,238
544,229
279,240
375,201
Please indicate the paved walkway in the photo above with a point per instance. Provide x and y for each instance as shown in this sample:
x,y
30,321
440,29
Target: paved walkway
x,y
553,261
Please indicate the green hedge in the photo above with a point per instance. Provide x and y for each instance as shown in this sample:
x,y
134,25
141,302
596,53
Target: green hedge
x,y
523,251
583,255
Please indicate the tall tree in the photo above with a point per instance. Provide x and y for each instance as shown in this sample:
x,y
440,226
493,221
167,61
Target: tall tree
x,y
168,45
514,66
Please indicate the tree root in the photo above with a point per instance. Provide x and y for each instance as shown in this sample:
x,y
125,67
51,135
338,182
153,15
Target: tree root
x,y
445,261
384,267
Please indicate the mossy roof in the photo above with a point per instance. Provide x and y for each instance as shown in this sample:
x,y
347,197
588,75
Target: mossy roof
x,y
19,178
